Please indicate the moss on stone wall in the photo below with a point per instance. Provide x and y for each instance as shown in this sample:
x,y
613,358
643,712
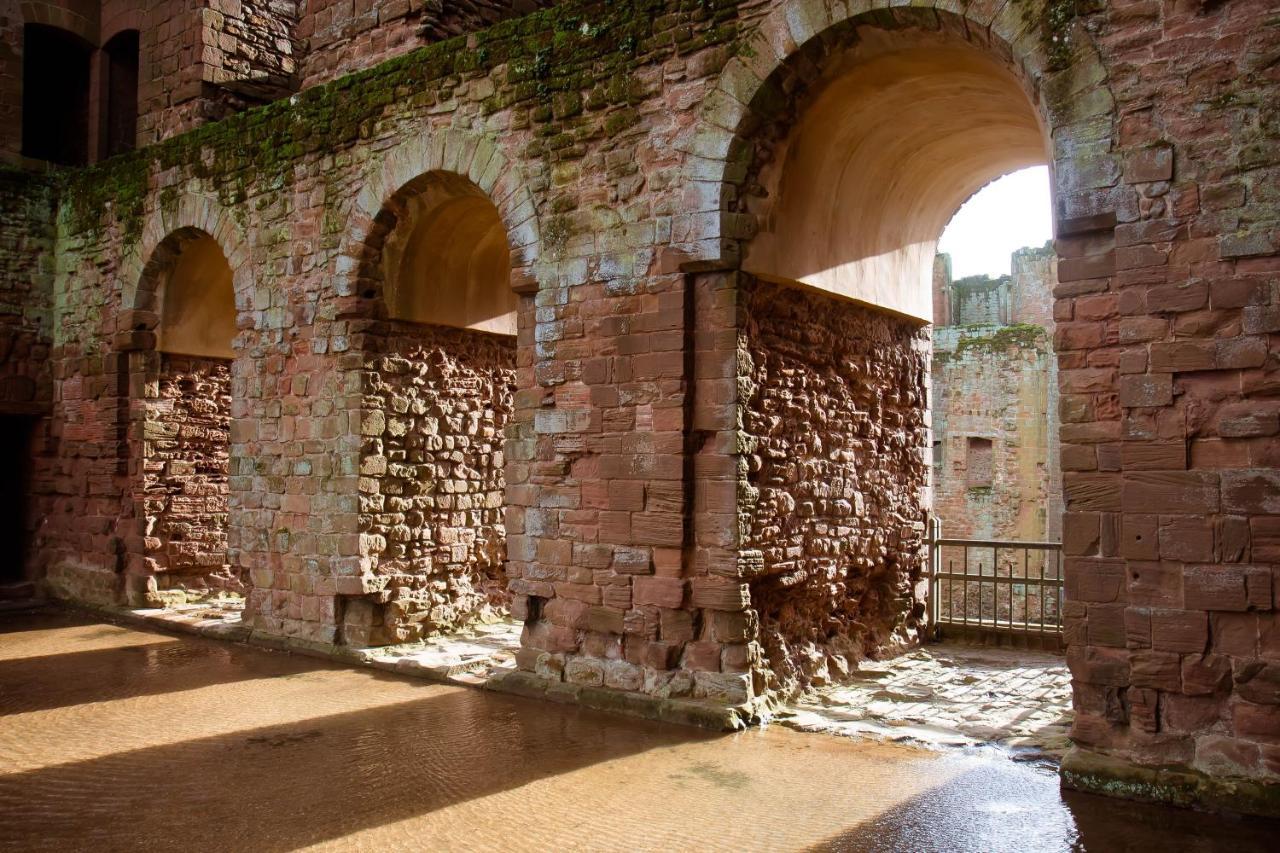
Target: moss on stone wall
x,y
1016,336
562,62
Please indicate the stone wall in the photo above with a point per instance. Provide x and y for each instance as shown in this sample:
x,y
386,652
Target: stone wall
x,y
339,40
998,384
185,458
437,404
837,491
618,142
26,277
249,47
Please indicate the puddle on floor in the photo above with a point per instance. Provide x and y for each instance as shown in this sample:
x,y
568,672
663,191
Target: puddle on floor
x,y
190,744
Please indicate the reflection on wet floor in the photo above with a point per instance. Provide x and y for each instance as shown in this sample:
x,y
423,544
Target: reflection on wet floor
x,y
159,743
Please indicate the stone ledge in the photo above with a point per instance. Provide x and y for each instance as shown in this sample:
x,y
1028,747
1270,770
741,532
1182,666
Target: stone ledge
x,y
1095,773
687,712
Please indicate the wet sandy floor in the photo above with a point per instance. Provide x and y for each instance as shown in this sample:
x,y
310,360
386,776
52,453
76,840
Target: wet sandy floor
x,y
114,739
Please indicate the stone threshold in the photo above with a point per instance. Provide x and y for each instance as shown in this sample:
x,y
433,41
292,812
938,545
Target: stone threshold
x,y
1096,773
455,660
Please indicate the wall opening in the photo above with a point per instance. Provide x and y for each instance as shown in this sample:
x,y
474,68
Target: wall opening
x,y
55,95
122,93
186,427
16,435
439,378
838,294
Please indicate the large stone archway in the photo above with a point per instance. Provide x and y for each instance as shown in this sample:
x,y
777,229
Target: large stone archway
x,y
1152,528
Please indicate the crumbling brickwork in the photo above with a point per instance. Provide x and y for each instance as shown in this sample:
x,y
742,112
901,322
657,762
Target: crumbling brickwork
x,y
836,496
437,403
187,446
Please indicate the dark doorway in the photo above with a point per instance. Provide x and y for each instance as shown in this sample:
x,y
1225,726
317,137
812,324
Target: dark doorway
x,y
55,95
15,480
122,92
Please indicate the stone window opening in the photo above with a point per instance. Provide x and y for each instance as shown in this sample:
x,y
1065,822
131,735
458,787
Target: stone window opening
x,y
438,378
978,462
121,86
55,95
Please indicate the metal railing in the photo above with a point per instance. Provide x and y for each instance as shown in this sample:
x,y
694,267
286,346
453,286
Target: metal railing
x,y
996,590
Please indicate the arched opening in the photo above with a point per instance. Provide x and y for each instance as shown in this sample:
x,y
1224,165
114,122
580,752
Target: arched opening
x,y
878,135
55,95
907,127
439,378
447,262
121,93
184,425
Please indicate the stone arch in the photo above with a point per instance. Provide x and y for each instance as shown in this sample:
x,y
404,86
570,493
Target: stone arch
x,y
163,234
402,169
173,548
432,385
795,56
55,14
1072,102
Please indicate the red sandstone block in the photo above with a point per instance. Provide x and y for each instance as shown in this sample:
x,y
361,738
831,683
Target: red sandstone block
x,y
1136,330
1234,353
1078,336
1205,675
1080,533
1249,420
1188,538
702,657
1079,457
1153,456
1106,625
1179,630
1091,492
1156,670
1139,538
566,612
641,622
1183,356
1133,361
1263,535
588,593
604,620
667,562
1151,389
1172,492
1234,634
1259,585
1215,588
657,528
1178,297
1095,580
661,592
1155,584
1251,491
1147,165
1257,681
1105,667
1256,722
713,593
626,495
678,626
1088,267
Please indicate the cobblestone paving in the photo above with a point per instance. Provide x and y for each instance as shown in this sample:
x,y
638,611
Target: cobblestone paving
x,y
950,695
469,657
